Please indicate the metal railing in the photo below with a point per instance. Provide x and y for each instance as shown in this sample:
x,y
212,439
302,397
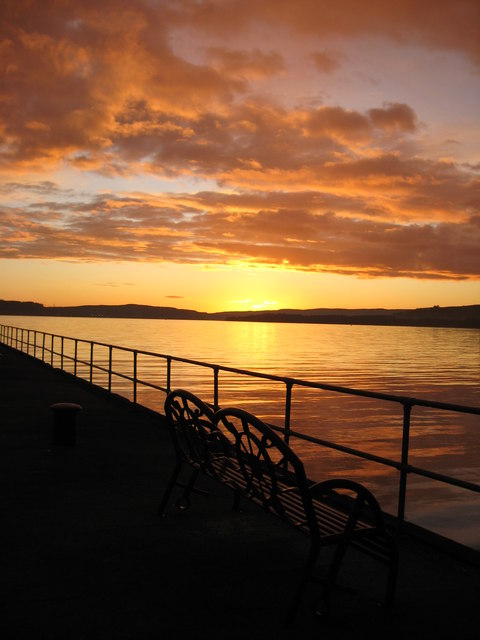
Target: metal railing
x,y
51,345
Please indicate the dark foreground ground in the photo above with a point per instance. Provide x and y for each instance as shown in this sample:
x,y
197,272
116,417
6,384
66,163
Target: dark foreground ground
x,y
85,556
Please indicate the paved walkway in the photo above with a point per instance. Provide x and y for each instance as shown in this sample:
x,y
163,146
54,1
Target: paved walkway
x,y
85,555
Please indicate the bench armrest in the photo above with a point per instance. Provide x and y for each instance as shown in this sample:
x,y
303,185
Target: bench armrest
x,y
361,497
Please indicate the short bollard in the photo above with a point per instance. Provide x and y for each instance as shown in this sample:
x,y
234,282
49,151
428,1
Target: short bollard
x,y
64,422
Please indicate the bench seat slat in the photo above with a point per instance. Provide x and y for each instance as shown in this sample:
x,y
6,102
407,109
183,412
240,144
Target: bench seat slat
x,y
332,519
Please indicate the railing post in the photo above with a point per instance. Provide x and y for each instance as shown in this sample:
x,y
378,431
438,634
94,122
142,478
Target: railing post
x,y
110,349
51,352
215,388
91,362
28,342
75,358
43,347
35,343
61,353
135,354
402,492
288,409
169,374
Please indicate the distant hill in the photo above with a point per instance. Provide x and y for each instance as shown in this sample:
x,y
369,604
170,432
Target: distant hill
x,y
127,311
14,308
9,307
459,317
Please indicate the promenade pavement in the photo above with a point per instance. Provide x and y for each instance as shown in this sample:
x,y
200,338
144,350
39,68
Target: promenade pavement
x,y
85,555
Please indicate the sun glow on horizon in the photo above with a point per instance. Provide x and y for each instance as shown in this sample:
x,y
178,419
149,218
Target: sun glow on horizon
x,y
54,283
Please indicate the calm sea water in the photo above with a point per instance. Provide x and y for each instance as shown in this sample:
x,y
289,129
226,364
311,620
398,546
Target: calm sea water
x,y
429,363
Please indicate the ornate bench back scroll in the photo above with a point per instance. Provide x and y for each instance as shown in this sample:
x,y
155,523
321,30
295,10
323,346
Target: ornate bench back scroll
x,y
197,439
271,470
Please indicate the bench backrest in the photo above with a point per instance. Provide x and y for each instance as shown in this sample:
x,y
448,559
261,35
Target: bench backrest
x,y
272,472
195,436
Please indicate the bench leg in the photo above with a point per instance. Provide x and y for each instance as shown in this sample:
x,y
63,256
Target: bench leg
x,y
184,501
302,585
322,608
392,574
324,604
171,484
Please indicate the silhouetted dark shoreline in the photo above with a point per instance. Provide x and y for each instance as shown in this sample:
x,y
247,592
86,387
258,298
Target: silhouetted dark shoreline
x,y
463,317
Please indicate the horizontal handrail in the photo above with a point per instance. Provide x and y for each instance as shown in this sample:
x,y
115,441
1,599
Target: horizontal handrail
x,y
15,337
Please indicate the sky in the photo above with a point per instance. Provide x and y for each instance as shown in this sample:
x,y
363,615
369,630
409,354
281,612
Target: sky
x,y
234,155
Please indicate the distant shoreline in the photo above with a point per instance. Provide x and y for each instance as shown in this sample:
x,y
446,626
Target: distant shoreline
x,y
461,317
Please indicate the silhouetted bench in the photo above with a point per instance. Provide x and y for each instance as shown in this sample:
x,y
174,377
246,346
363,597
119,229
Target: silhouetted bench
x,y
243,453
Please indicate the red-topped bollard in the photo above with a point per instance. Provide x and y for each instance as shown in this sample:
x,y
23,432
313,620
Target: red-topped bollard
x,y
64,422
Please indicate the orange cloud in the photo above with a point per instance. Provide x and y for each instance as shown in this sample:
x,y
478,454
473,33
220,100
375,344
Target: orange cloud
x,y
203,228
206,91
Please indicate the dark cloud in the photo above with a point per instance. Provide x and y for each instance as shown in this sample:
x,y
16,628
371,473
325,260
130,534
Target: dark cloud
x,y
325,61
399,117
443,24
